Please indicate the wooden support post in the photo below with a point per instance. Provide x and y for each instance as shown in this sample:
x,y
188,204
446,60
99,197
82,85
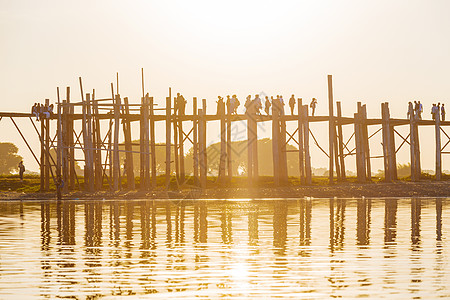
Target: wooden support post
x,y
391,145
84,129
175,143
59,148
437,131
417,149
70,142
229,149
365,136
65,150
331,128
386,143
116,158
42,163
98,146
275,142
340,140
282,150
129,164
152,143
202,148
181,148
47,165
223,145
308,173
249,146
301,161
255,148
359,145
195,139
412,144
110,150
142,157
168,139
89,146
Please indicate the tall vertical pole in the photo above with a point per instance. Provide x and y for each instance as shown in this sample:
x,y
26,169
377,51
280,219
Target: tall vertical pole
x,y
340,140
168,139
223,146
128,146
331,127
195,138
365,136
47,148
116,158
308,173
437,131
88,145
152,143
386,142
275,142
229,150
59,153
412,138
301,162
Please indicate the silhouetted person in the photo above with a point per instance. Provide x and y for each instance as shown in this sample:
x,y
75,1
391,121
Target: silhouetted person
x,y
21,170
220,106
281,105
419,112
229,105
313,105
176,102
247,103
267,105
292,104
410,111
433,111
416,108
181,105
257,104
235,102
442,112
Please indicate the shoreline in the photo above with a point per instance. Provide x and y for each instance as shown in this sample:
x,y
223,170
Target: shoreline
x,y
399,189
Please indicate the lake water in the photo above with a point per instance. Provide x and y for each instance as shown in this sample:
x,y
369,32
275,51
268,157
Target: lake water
x,y
231,249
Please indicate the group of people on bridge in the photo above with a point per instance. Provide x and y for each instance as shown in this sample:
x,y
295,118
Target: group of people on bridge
x,y
42,111
415,110
255,105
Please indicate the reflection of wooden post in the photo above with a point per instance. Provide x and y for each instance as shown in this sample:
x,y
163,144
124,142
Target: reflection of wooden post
x,y
340,140
116,158
331,128
128,146
301,162
195,137
152,155
308,173
168,139
437,131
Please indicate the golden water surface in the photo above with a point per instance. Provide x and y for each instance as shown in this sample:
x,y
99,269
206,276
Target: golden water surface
x,y
230,249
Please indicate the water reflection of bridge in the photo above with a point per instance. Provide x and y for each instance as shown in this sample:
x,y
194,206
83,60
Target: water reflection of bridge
x,y
123,220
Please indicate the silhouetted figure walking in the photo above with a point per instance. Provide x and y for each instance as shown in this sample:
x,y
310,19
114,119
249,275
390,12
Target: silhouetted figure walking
x,y
220,106
313,105
21,170
433,111
267,105
292,104
442,112
181,103
419,112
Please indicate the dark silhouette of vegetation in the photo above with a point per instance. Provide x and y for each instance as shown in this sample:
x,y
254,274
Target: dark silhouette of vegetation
x,y
9,160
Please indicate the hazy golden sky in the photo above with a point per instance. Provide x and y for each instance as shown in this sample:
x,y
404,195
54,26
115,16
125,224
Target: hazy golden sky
x,y
377,51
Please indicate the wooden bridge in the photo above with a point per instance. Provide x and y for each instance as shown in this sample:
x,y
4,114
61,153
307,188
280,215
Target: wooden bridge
x,y
101,152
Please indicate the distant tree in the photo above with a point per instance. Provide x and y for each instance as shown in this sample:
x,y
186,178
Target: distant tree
x,y
8,158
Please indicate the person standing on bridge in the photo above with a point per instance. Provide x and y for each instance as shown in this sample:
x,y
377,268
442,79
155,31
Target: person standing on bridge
x,y
235,103
313,105
181,102
292,104
419,112
442,112
267,105
221,106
